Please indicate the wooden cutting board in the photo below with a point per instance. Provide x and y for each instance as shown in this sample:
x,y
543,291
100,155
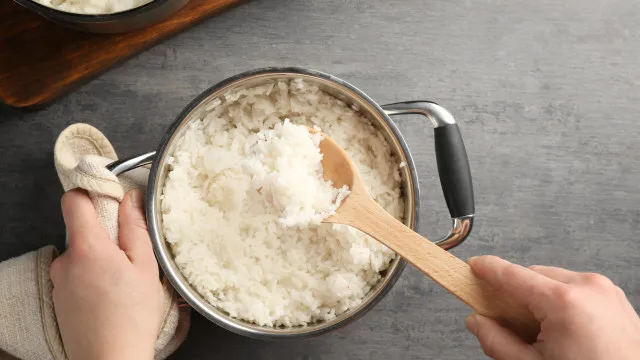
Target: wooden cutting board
x,y
40,60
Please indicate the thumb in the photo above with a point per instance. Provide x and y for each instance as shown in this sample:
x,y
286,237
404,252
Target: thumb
x,y
133,236
499,343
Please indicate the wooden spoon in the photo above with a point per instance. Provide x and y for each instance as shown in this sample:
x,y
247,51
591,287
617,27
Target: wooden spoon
x,y
362,212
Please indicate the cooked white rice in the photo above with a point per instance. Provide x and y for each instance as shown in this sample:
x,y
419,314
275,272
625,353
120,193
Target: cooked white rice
x,y
93,7
285,165
231,242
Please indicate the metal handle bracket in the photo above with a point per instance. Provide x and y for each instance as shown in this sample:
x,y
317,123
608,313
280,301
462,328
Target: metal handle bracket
x,y
453,166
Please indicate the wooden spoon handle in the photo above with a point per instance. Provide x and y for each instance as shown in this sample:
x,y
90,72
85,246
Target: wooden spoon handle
x,y
447,270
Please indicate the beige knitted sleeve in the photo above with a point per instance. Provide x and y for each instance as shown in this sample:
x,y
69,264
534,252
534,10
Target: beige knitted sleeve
x,y
29,329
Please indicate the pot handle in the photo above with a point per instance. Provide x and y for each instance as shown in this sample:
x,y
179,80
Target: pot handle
x,y
453,166
123,165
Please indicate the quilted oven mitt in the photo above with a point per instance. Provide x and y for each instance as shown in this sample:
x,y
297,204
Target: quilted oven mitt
x,y
28,329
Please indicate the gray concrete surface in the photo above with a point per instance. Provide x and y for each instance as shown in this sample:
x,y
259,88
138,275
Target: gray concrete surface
x,y
547,94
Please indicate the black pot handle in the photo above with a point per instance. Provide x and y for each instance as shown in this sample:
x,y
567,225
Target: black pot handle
x,y
453,166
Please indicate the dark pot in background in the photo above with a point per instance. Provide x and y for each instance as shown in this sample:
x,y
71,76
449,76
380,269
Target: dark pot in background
x,y
136,18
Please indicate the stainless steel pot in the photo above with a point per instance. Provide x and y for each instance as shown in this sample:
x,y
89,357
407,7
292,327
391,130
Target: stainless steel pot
x,y
125,21
453,169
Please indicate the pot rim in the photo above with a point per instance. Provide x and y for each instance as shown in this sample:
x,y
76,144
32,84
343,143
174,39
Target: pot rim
x,y
53,13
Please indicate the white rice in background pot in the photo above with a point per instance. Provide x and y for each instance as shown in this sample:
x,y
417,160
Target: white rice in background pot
x,y
93,7
244,198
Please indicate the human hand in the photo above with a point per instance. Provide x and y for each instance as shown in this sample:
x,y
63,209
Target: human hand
x,y
583,316
108,299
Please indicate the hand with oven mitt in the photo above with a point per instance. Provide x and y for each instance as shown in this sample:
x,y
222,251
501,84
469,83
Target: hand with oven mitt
x,y
104,293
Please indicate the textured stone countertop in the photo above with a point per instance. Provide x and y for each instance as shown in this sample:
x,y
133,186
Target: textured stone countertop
x,y
547,94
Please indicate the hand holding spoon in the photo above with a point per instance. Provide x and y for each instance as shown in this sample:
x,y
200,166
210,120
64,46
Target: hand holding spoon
x,y
362,212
